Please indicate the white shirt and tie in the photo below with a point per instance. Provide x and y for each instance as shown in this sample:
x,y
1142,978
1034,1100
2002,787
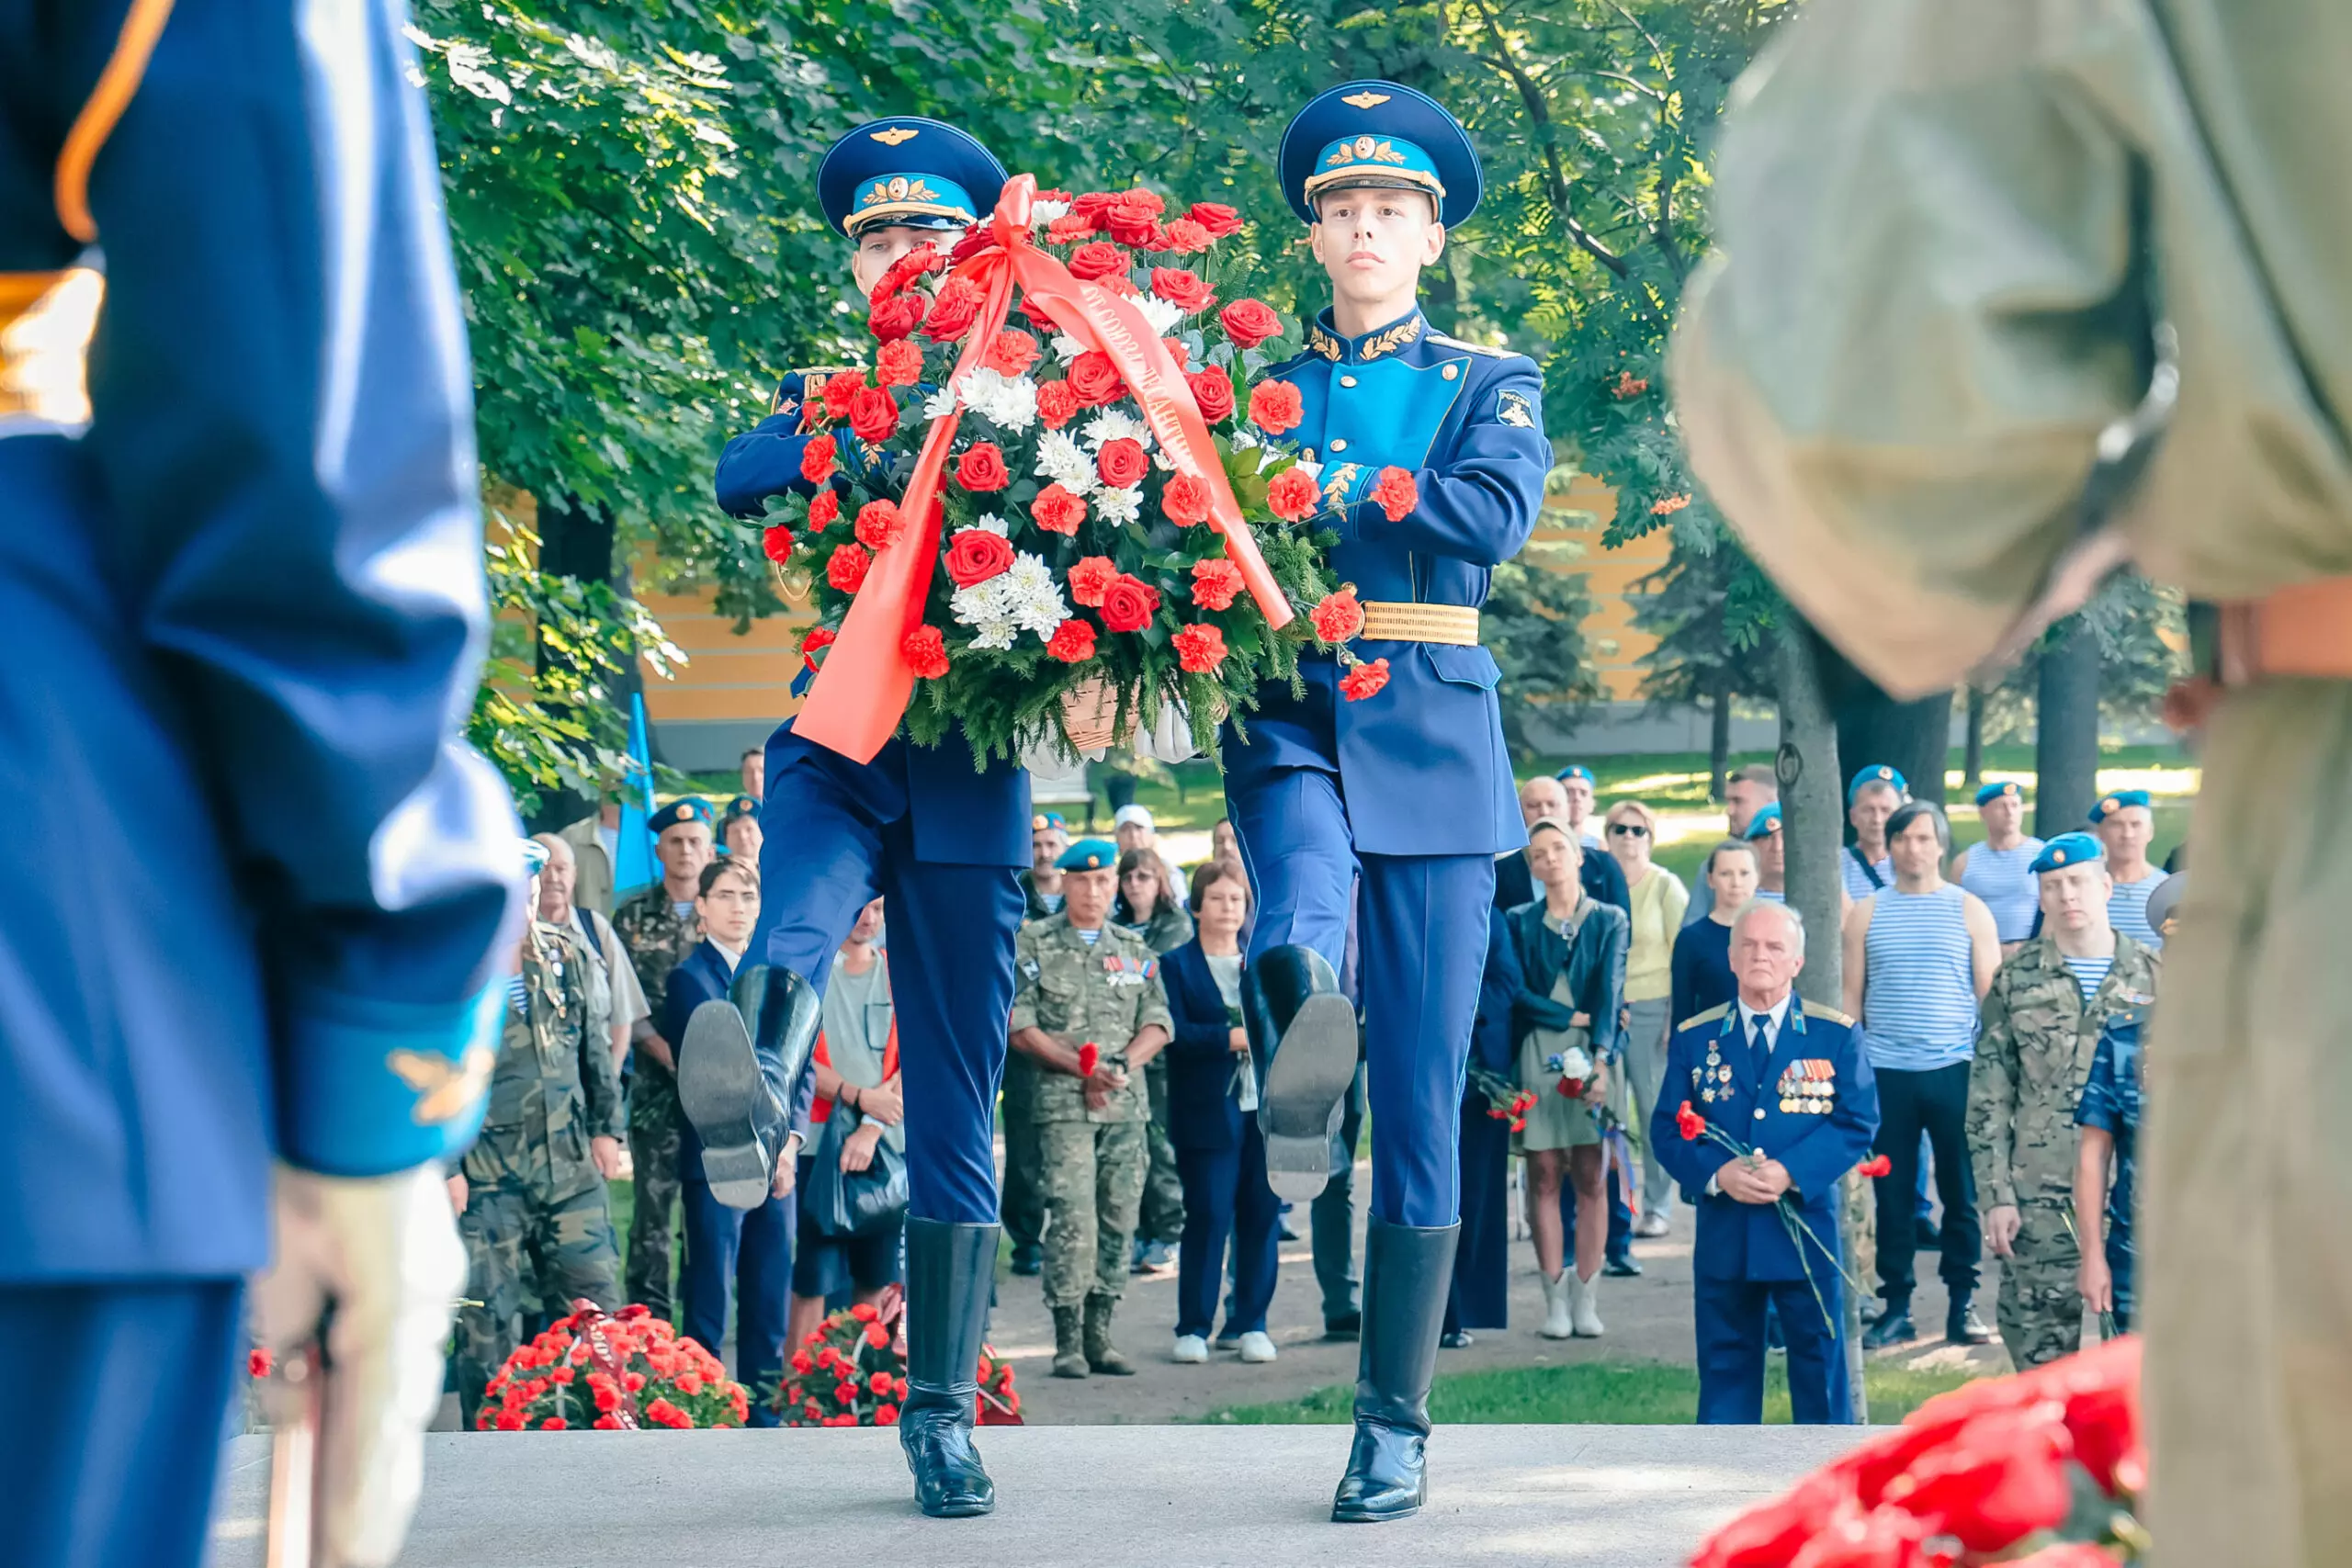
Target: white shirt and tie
x,y
1760,1031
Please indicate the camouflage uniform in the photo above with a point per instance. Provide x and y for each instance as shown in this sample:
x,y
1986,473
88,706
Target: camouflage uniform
x,y
2033,1056
658,939
536,1220
1093,1160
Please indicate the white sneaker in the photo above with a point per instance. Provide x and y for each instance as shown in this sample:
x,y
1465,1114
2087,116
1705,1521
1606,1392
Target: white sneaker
x,y
1256,1347
1190,1350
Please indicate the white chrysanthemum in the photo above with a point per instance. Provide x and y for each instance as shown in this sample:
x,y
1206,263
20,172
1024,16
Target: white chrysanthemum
x,y
1008,403
1035,602
940,405
1164,462
994,634
1120,505
1067,349
1061,459
1112,423
992,524
1162,315
1043,212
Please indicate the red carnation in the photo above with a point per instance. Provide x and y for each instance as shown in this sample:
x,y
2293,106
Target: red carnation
x,y
1293,494
1200,649
1364,681
1011,353
880,524
1073,642
1090,1056
1091,204
953,311
1215,583
1069,230
876,1335
777,541
1187,236
1095,377
840,390
1098,260
258,1362
1878,1165
1057,509
1339,618
1213,392
823,508
886,1415
1217,218
976,239
1182,288
1129,604
1397,493
925,650
892,319
874,414
817,459
510,1421
1090,577
1177,351
899,364
923,259
846,570
1689,1124
1057,404
817,637
1122,462
1250,322
1276,407
982,467
975,554
1185,500
879,1382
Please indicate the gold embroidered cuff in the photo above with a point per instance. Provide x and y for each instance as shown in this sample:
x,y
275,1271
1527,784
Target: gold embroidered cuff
x,y
1388,621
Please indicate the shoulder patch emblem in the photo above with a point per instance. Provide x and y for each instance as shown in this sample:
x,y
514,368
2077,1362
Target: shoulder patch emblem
x,y
1712,1015
1512,408
1029,968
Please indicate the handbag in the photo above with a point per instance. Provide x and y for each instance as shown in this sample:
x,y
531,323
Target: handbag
x,y
845,1204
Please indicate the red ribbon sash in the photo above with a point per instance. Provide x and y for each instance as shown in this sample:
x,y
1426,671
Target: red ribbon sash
x,y
861,692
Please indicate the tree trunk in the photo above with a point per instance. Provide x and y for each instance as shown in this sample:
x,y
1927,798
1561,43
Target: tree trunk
x,y
2065,739
1914,737
577,541
1972,772
1719,736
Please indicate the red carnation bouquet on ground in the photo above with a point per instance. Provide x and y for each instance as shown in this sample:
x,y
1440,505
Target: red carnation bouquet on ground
x,y
852,1371
619,1372
1110,524
2040,1469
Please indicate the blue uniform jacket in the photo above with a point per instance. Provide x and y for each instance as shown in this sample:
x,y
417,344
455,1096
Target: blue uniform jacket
x,y
258,898
1467,421
2111,1103
1595,970
765,461
1202,1110
1816,1046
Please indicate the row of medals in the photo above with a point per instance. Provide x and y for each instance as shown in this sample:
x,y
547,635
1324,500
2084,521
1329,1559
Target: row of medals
x,y
1808,1094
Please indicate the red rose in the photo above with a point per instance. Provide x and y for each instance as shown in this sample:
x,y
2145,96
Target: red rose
x,y
1364,681
1339,618
840,390
823,507
899,364
1091,204
1089,580
1185,500
1095,377
1011,353
1122,462
874,414
892,319
1293,494
1057,404
777,540
1250,322
817,639
817,459
1182,288
1129,604
1877,1166
880,524
1187,236
1039,316
1689,1124
953,311
1057,509
1213,392
925,649
982,467
1276,407
1118,283
1097,260
1143,233
1069,230
1397,493
1200,649
1139,202
1090,1056
1177,351
1217,218
886,1415
1073,643
846,570
975,554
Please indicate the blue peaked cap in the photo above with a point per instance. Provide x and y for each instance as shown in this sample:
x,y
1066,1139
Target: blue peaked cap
x,y
1380,133
907,171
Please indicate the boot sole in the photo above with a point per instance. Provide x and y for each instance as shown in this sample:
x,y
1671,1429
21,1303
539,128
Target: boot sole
x,y
1311,1070
1368,1516
718,1085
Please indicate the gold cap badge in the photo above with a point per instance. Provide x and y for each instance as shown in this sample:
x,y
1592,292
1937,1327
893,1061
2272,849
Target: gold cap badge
x,y
895,135
1365,100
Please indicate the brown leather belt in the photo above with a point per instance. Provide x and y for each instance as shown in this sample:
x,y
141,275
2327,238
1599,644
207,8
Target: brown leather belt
x,y
1397,621
2304,632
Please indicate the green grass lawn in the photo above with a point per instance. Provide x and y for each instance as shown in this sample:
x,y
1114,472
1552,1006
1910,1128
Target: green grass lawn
x,y
1609,1394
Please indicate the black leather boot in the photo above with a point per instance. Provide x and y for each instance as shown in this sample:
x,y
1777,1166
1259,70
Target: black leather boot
x,y
1407,1273
949,1270
1303,1040
739,1067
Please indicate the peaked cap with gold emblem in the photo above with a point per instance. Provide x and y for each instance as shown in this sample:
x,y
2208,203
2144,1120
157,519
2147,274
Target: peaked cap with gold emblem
x,y
1380,133
908,171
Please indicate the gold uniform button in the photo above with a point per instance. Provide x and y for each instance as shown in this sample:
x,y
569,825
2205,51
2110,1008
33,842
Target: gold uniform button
x,y
1451,371
1347,380
1338,444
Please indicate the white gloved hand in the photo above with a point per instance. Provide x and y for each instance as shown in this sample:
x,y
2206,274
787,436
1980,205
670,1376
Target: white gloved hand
x,y
383,1253
1171,739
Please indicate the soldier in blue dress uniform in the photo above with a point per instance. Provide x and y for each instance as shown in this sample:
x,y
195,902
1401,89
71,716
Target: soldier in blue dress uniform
x,y
1788,1080
255,1018
918,826
1412,789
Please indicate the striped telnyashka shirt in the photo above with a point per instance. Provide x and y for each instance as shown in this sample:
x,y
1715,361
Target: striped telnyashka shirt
x,y
1919,981
2005,880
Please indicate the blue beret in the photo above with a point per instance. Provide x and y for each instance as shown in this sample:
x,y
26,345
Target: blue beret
x,y
1877,774
1045,820
689,809
2116,802
909,171
1764,823
535,857
1576,771
1380,133
1090,855
1994,791
743,806
2069,849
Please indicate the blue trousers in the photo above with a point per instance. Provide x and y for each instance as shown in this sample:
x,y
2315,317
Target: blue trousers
x,y
1225,1196
839,835
1730,1324
112,1463
749,1257
1422,932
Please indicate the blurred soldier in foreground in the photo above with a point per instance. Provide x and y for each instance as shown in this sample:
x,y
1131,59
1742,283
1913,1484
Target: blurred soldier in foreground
x,y
1981,252
247,598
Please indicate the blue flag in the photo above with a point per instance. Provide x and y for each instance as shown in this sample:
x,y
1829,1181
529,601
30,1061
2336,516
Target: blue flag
x,y
636,868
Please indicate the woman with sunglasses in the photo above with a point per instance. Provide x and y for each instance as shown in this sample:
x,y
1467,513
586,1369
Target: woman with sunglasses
x,y
1659,902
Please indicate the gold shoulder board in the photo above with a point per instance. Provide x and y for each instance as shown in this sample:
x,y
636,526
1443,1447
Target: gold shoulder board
x,y
1713,1015
1815,1010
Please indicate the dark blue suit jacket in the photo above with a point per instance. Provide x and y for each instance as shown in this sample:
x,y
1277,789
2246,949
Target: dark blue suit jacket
x,y
702,975
1202,1110
1494,1041
1816,1044
1467,421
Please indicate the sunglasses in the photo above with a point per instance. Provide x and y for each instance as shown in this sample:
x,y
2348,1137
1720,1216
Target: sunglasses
x,y
1630,829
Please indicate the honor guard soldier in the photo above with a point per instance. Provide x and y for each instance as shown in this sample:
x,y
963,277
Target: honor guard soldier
x,y
918,826
1787,1080
533,1211
2041,1026
1327,793
1090,1011
252,1024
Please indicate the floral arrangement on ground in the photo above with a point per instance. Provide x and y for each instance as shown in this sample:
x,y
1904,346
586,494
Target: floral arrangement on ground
x,y
616,1372
852,1371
